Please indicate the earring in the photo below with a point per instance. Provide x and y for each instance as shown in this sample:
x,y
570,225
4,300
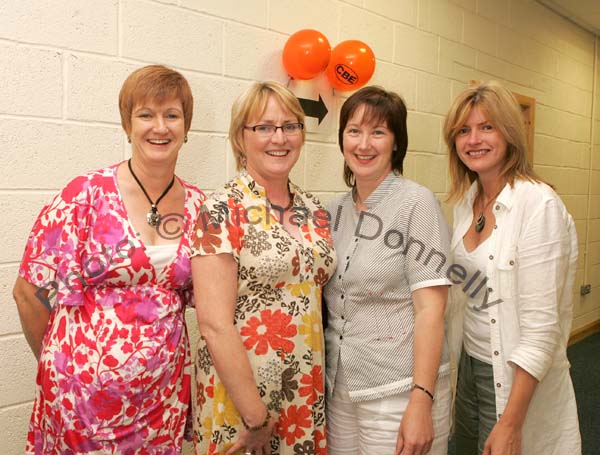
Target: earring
x,y
128,139
185,139
243,160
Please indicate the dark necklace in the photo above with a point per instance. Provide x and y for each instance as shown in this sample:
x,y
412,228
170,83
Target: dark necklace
x,y
290,204
480,223
153,217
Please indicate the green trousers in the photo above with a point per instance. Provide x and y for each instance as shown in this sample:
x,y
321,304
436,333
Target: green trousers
x,y
475,409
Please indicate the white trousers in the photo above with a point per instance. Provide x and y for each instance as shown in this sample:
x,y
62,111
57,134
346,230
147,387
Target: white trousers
x,y
371,427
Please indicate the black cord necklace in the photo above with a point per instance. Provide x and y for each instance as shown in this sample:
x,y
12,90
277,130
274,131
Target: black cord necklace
x,y
290,203
153,217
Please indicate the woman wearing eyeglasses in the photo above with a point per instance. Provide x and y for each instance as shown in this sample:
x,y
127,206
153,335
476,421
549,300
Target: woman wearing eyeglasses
x,y
266,246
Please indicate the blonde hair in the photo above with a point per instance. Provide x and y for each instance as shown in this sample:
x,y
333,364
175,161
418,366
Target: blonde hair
x,y
157,83
503,111
252,104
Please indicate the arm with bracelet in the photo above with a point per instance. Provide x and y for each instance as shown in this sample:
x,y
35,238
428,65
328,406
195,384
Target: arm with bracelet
x,y
415,435
215,309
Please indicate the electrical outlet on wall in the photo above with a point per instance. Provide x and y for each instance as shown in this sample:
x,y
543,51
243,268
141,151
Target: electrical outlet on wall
x,y
586,289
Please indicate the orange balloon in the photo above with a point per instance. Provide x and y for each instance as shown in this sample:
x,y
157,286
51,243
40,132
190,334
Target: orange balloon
x,y
351,65
305,54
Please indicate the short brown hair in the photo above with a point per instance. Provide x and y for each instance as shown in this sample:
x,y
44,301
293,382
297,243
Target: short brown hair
x,y
252,103
503,111
158,83
380,106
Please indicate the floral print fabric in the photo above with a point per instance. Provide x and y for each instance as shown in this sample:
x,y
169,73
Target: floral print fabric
x,y
114,371
278,315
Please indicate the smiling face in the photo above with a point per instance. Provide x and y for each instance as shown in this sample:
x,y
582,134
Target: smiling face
x,y
270,158
367,148
157,131
480,146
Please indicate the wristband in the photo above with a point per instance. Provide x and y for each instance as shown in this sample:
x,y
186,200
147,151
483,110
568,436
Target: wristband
x,y
420,387
258,427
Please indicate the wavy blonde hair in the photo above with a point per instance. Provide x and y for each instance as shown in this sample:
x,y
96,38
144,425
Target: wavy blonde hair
x,y
504,112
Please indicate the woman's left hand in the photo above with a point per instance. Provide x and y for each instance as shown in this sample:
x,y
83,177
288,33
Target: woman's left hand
x,y
503,440
256,442
416,429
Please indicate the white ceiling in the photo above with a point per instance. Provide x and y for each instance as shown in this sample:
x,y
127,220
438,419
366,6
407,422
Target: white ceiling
x,y
585,13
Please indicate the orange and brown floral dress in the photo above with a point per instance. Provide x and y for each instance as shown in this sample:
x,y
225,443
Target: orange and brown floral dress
x,y
278,315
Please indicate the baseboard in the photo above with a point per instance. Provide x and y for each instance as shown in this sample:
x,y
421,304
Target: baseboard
x,y
584,332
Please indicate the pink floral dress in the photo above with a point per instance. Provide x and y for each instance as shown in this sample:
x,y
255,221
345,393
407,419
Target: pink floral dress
x,y
278,316
114,371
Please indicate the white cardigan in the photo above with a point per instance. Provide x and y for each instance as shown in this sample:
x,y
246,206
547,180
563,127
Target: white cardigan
x,y
530,274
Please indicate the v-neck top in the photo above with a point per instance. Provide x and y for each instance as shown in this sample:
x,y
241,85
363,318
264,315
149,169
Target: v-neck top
x,y
476,323
115,360
530,277
277,314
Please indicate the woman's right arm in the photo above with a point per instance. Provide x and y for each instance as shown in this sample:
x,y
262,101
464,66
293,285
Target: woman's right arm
x,y
215,290
33,313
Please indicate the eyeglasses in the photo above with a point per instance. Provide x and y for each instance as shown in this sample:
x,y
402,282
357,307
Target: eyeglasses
x,y
289,129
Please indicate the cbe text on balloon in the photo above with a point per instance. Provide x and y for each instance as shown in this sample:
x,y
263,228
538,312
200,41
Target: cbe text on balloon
x,y
345,74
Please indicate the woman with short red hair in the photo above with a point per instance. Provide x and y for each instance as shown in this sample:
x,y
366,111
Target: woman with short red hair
x,y
110,251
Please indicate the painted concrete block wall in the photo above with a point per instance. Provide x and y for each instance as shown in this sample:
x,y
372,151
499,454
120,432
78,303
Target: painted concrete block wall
x,y
62,65
589,309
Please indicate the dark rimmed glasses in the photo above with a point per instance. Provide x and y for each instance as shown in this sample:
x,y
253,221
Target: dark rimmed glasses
x,y
289,129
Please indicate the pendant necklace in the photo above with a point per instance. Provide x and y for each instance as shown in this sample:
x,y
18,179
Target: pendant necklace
x,y
153,217
480,223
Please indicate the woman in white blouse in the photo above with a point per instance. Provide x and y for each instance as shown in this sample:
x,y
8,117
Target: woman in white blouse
x,y
386,356
515,252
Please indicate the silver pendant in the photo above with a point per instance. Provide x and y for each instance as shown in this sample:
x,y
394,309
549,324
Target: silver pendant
x,y
480,223
153,217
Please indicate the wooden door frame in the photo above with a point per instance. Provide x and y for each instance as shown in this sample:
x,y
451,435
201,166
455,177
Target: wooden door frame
x,y
528,109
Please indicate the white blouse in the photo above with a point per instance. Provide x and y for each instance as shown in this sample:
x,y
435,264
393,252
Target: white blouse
x,y
530,274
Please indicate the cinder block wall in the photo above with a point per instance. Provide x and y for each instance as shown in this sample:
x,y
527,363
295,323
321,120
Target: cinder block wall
x,y
588,308
62,65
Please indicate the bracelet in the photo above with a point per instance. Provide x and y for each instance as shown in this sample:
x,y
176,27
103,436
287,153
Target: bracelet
x,y
420,387
258,427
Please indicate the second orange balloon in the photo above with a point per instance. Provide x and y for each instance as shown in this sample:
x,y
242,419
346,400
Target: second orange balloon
x,y
351,65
